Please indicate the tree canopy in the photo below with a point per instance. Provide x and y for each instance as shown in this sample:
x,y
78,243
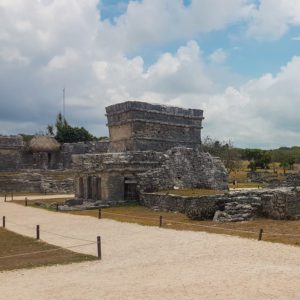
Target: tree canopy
x,y
65,133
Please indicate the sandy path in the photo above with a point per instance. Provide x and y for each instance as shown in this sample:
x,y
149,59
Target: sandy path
x,y
142,262
37,197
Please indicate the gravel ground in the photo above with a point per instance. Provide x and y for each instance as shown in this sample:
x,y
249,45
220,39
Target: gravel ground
x,y
141,262
38,197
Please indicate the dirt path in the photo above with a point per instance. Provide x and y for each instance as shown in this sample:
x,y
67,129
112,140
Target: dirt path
x,y
141,262
37,197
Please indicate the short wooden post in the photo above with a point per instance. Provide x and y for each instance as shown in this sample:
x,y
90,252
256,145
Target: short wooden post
x,y
99,213
3,221
56,206
12,196
37,232
99,254
26,202
5,198
260,234
160,221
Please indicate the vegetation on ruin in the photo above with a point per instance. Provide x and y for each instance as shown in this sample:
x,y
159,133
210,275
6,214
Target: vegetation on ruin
x,y
65,133
13,244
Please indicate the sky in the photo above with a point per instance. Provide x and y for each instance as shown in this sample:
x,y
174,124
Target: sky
x,y
238,60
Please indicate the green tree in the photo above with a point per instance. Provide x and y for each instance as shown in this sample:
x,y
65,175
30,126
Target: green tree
x,y
224,150
65,133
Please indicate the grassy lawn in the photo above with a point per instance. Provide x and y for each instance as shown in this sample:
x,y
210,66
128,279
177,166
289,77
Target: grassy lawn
x,y
192,192
144,216
136,214
247,185
13,244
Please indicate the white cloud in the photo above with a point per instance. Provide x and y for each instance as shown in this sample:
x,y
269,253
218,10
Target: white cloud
x,y
67,60
47,44
273,18
13,55
158,21
218,56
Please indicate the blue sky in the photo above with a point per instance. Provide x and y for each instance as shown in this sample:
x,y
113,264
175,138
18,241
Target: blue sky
x,y
238,60
247,57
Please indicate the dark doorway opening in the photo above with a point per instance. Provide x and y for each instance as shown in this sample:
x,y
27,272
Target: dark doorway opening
x,y
89,187
98,188
81,188
130,190
49,161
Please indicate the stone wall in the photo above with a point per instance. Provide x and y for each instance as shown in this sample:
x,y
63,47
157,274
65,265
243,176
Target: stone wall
x,y
140,126
283,203
10,152
15,156
292,180
152,171
36,182
185,168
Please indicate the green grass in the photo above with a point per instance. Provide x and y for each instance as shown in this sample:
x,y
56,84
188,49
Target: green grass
x,y
193,192
12,244
144,216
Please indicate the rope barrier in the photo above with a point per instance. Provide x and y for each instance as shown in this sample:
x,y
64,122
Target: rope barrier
x,y
50,232
211,227
49,250
203,226
67,237
130,216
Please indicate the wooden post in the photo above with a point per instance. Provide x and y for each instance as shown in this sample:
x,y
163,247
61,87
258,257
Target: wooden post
x,y
99,213
56,206
5,198
3,221
26,202
37,232
99,254
260,234
160,221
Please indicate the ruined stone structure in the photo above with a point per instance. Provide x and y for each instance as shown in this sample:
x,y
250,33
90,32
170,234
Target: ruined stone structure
x,y
279,204
152,147
24,165
140,126
42,153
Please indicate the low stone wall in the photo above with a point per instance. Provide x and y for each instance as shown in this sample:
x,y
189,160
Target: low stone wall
x,y
30,182
283,203
292,180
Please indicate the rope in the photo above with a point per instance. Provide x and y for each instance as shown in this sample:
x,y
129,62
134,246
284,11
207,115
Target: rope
x,y
211,227
50,232
43,251
130,216
67,237
204,226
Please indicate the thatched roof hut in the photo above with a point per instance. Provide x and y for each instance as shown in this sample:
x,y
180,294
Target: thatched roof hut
x,y
43,143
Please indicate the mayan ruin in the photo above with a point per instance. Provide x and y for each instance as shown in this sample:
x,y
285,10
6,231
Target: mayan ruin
x,y
149,149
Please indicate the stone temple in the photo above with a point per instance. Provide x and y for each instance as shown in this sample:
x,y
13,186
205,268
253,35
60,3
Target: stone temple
x,y
151,147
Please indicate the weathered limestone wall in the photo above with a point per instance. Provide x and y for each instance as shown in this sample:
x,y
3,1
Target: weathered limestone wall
x,y
135,126
10,152
34,182
292,180
14,154
152,171
185,168
283,203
